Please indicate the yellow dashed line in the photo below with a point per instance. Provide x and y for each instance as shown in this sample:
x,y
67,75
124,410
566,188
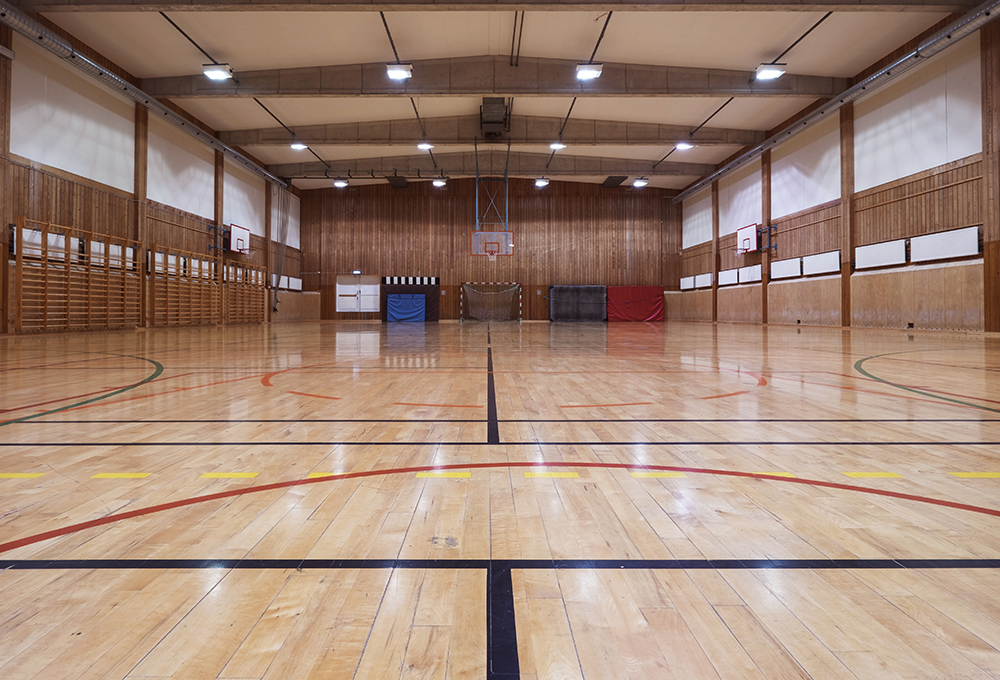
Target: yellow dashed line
x,y
446,475
316,475
557,475
229,475
121,475
977,475
673,475
776,474
862,475
21,475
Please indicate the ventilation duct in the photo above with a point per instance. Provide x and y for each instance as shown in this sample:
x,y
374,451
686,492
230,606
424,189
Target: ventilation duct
x,y
493,117
58,46
937,43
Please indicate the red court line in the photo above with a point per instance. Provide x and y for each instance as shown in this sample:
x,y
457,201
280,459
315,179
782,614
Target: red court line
x,y
318,396
638,403
88,394
153,509
266,378
731,394
404,403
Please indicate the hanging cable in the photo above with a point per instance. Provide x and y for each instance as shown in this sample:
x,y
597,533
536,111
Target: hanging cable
x,y
600,37
704,122
190,39
389,35
825,17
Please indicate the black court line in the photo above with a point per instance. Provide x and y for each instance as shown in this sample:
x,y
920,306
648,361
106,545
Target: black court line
x,y
526,420
498,566
480,443
492,426
501,624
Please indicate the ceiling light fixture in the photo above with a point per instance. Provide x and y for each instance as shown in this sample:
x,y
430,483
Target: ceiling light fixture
x,y
399,71
588,71
299,146
769,71
218,71
556,146
340,183
541,182
425,146
639,182
684,146
440,181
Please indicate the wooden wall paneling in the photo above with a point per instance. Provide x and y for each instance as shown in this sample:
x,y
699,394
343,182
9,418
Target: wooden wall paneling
x,y
266,249
696,260
848,223
740,304
218,220
813,301
990,195
6,186
765,219
715,250
139,231
939,199
670,226
813,230
173,228
945,296
567,233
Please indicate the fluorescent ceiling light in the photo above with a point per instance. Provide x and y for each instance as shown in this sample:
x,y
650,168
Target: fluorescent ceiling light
x,y
218,71
588,71
684,146
439,181
340,183
356,272
425,146
640,182
769,71
399,71
556,146
299,146
541,182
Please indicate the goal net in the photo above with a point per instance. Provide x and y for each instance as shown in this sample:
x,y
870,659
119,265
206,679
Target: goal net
x,y
490,301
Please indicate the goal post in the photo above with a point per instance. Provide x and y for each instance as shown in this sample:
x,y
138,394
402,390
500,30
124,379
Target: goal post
x,y
490,301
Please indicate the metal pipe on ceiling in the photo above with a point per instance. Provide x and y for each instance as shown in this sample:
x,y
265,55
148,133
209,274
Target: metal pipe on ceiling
x,y
940,41
58,46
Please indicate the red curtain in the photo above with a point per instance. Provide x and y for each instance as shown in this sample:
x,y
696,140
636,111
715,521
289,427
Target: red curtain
x,y
635,303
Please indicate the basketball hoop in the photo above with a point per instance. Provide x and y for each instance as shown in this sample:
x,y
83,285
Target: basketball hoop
x,y
492,248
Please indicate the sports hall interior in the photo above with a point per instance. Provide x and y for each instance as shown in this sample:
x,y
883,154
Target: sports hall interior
x,y
222,454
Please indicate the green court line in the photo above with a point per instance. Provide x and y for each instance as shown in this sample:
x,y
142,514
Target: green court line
x,y
862,371
153,376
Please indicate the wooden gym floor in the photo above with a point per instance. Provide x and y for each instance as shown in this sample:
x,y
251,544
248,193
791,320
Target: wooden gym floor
x,y
361,500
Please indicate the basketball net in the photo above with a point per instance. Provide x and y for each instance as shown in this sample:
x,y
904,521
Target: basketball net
x,y
492,257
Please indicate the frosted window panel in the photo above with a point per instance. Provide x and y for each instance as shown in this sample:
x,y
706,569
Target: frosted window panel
x,y
697,220
243,199
703,280
63,119
687,282
930,117
740,199
823,263
784,269
805,170
181,170
946,244
749,274
880,254
729,277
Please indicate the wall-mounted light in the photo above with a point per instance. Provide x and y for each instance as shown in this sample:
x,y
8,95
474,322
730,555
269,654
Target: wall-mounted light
x,y
218,71
399,71
640,182
588,71
356,272
299,146
556,146
440,181
684,146
769,71
340,183
425,146
541,182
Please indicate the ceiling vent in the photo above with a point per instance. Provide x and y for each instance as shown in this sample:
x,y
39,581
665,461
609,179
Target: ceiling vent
x,y
397,182
494,117
614,181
